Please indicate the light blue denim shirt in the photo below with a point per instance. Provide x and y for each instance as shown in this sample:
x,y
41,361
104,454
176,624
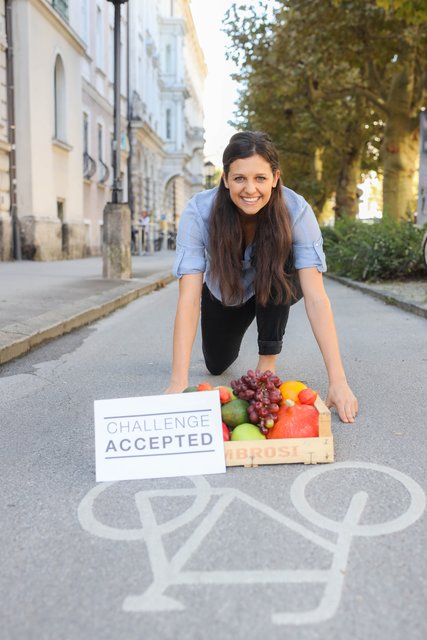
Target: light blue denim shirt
x,y
192,254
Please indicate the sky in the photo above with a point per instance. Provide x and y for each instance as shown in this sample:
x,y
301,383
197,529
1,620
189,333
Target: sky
x,y
220,90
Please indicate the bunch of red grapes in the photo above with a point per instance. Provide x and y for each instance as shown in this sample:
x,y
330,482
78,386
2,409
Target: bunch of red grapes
x,y
261,390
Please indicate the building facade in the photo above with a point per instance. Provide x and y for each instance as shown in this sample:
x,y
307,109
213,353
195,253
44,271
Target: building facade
x,y
63,54
167,73
48,107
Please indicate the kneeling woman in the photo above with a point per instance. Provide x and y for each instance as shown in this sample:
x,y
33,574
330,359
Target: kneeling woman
x,y
248,249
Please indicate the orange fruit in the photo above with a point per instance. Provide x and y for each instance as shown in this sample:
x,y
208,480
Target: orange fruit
x,y
290,390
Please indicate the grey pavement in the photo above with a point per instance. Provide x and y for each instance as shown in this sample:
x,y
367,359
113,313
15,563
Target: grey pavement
x,y
289,551
409,295
43,300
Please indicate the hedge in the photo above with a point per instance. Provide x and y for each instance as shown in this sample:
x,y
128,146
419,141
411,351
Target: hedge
x,y
383,250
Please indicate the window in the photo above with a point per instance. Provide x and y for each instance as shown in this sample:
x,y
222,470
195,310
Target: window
x,y
61,7
147,194
103,170
85,20
60,209
89,164
111,54
112,148
100,136
168,124
85,133
59,99
168,59
99,39
100,141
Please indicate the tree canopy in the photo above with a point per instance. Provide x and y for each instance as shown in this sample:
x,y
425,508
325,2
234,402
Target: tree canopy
x,y
339,85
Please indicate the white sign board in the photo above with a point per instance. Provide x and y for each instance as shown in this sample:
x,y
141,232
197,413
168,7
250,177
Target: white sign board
x,y
159,436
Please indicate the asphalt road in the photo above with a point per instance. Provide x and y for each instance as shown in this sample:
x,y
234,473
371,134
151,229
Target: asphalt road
x,y
293,551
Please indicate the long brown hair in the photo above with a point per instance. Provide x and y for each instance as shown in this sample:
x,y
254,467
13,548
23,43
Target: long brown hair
x,y
273,236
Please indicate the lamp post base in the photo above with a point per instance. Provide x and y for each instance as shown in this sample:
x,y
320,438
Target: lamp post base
x,y
116,247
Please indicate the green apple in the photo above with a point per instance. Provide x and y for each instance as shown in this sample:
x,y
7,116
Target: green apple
x,y
246,431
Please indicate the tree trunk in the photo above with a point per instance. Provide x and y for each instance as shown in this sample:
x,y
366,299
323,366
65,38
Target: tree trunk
x,y
318,200
400,156
346,198
400,145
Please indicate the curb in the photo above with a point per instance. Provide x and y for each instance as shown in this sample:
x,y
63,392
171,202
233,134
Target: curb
x,y
380,295
19,338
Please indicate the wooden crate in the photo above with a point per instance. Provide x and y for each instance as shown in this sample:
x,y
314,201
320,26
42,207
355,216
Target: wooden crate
x,y
252,453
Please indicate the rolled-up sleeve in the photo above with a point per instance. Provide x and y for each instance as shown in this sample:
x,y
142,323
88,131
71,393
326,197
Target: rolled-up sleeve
x,y
307,241
190,245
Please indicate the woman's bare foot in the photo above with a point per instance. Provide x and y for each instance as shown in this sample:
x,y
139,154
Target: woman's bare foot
x,y
267,363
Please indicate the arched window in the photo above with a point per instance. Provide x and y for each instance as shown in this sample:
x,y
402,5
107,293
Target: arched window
x,y
59,99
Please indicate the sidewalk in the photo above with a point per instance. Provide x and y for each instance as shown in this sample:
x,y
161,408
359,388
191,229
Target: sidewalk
x,y
42,300
410,295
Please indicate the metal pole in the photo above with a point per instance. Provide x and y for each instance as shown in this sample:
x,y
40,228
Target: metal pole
x,y
129,128
117,188
174,206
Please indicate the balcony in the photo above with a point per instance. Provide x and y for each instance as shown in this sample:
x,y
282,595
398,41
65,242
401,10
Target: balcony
x,y
195,137
89,166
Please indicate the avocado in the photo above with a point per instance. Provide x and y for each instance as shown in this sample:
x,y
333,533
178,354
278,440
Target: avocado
x,y
235,412
189,389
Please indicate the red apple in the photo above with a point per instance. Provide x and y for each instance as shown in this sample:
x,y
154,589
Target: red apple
x,y
225,432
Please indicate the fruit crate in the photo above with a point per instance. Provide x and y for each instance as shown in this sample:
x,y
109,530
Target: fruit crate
x,y
252,453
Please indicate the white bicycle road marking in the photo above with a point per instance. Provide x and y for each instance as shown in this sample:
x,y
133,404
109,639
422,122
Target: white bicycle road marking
x,y
168,572
416,507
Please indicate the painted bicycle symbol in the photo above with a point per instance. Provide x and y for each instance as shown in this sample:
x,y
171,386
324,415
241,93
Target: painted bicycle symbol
x,y
169,572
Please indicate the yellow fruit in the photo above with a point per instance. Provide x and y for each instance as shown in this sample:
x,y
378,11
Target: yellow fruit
x,y
290,390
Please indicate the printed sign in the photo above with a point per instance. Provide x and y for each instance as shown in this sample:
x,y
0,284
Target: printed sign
x,y
159,436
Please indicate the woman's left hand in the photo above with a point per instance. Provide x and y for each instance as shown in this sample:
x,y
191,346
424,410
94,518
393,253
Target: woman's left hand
x,y
342,398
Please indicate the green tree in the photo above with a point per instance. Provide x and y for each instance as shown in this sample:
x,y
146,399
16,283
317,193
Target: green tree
x,y
354,69
412,11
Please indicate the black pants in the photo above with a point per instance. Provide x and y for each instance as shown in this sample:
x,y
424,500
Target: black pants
x,y
223,329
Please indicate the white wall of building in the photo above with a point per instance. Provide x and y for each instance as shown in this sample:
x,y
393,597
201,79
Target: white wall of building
x,y
48,161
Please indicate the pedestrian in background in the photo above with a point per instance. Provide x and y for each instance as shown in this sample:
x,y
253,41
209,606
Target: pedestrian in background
x,y
247,249
163,229
144,222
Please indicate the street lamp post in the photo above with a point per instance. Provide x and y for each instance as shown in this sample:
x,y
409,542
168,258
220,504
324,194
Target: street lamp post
x,y
116,250
116,195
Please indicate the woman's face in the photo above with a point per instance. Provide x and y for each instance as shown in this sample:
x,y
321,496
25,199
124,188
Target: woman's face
x,y
250,181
